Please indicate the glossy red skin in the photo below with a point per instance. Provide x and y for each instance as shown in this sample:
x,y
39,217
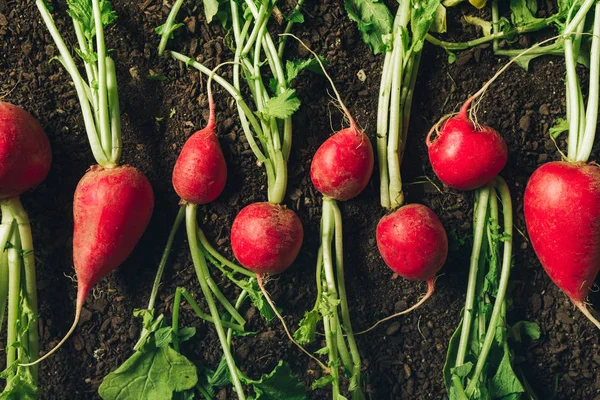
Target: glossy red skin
x,y
111,210
466,158
24,151
413,242
342,166
266,237
200,172
562,213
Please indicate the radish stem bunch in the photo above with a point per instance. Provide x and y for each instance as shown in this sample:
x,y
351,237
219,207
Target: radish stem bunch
x,y
478,354
113,203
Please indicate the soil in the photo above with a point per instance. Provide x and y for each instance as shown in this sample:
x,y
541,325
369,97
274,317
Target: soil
x,y
403,359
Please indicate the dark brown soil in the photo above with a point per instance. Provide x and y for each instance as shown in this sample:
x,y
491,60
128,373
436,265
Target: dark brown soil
x,y
403,359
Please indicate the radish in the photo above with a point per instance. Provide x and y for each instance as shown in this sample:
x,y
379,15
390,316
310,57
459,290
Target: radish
x,y
413,243
200,172
113,204
562,198
25,150
266,238
466,156
341,168
25,159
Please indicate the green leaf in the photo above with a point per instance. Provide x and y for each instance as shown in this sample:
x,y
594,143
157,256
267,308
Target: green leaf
x,y
294,67
522,14
374,20
186,334
560,125
422,16
451,358
296,17
281,106
163,337
161,28
279,384
523,329
505,382
463,370
211,7
322,382
486,26
451,57
305,333
150,374
82,12
439,20
479,4
20,384
258,299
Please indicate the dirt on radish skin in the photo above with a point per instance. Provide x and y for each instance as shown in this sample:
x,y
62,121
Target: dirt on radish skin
x,y
266,237
111,210
24,149
465,156
561,205
342,166
413,242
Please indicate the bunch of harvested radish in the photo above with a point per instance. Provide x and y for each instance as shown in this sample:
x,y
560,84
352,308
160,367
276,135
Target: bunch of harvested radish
x,y
341,169
562,198
468,156
25,162
113,203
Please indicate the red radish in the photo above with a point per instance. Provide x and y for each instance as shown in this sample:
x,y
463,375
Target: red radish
x,y
465,156
111,210
562,203
342,166
413,243
25,149
200,172
266,237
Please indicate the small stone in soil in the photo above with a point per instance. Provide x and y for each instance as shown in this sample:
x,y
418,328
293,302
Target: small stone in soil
x,y
393,329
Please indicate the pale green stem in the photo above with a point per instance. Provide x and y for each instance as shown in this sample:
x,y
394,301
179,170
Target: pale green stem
x,y
341,284
587,142
164,38
202,272
14,297
88,117
105,134
237,97
383,113
217,256
115,111
481,206
288,29
502,285
196,308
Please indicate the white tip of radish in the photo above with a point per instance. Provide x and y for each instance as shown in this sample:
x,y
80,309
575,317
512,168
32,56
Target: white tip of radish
x,y
69,333
583,308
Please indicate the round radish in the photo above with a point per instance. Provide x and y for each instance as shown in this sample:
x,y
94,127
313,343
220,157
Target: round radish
x,y
413,242
24,150
200,172
342,166
465,156
266,237
562,203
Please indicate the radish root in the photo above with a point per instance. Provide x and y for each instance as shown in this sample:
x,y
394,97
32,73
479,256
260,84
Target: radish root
x,y
430,290
259,280
583,308
337,94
